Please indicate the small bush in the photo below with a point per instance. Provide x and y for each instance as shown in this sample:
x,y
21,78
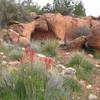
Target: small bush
x,y
15,54
83,66
81,31
50,48
61,87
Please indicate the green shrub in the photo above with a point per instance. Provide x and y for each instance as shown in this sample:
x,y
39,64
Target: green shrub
x,y
26,84
73,85
12,10
83,66
50,48
15,54
35,83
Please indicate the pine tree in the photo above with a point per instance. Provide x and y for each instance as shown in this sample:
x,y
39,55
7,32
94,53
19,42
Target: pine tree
x,y
79,9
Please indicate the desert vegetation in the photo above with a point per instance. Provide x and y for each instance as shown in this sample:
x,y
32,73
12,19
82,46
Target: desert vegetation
x,y
58,62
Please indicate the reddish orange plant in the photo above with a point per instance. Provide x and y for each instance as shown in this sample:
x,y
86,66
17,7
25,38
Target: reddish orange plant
x,y
29,55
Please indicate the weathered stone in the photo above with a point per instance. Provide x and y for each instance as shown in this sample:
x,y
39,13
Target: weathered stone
x,y
4,57
77,43
4,62
92,97
13,35
89,86
90,55
13,63
1,53
70,72
97,65
94,39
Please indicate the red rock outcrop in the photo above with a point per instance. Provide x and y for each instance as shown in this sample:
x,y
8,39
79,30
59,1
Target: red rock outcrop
x,y
94,39
61,26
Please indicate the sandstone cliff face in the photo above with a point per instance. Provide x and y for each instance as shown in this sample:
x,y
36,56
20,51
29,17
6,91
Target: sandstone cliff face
x,y
62,27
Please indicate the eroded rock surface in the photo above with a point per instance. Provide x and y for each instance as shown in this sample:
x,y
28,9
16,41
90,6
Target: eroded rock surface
x,y
61,26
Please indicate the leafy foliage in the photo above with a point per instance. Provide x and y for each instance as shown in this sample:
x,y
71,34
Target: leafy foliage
x,y
79,9
30,6
47,8
65,7
83,67
11,10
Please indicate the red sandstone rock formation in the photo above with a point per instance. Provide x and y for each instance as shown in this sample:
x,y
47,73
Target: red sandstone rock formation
x,y
61,26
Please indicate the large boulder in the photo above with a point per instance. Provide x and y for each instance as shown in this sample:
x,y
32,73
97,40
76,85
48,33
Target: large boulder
x,y
94,39
21,32
16,38
77,43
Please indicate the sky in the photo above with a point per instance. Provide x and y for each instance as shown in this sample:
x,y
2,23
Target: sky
x,y
92,6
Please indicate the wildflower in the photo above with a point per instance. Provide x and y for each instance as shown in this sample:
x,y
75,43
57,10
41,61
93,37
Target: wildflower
x,y
33,52
32,55
46,59
49,62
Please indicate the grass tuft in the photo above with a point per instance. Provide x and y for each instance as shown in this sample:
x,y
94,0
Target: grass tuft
x,y
35,83
15,54
84,67
50,48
